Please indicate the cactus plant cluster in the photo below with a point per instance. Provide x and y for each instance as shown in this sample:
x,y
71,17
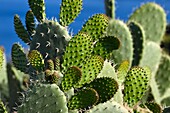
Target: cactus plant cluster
x,y
108,67
149,33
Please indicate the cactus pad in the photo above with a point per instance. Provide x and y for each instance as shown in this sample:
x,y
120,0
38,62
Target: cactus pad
x,y
96,26
1,56
19,58
136,84
38,8
71,78
152,18
119,29
105,87
90,69
20,30
108,107
36,60
44,99
83,99
78,49
50,39
162,77
30,23
152,106
138,36
69,10
105,46
49,65
122,70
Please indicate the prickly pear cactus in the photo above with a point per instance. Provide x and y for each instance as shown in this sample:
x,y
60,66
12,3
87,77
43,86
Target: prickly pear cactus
x,y
43,99
1,56
136,84
152,17
108,107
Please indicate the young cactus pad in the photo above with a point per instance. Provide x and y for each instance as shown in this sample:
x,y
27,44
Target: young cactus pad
x,y
136,84
83,99
38,8
106,88
71,78
1,56
152,18
69,10
36,60
20,30
44,99
96,26
19,58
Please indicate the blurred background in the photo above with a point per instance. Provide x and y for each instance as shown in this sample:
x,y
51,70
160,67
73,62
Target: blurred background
x,y
8,8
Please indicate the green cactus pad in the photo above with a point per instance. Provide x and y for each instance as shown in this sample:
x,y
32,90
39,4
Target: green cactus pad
x,y
136,84
69,10
96,26
1,56
152,106
44,99
105,46
57,64
50,39
71,78
162,77
151,51
90,69
20,30
106,88
138,37
49,64
2,107
38,8
152,18
30,23
119,29
123,70
36,60
108,107
107,71
19,58
83,99
78,49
